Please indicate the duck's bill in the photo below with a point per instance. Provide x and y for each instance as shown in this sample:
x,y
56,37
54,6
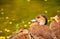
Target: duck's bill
x,y
34,20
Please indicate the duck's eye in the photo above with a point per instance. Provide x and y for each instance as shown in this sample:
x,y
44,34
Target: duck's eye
x,y
21,31
38,17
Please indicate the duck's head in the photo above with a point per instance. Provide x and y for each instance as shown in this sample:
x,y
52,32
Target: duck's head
x,y
57,18
41,19
23,31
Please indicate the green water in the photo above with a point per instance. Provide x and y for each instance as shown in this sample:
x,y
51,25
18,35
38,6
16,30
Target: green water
x,y
16,14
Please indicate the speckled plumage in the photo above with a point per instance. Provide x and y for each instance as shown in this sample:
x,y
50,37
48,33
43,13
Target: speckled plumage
x,y
55,27
20,35
40,31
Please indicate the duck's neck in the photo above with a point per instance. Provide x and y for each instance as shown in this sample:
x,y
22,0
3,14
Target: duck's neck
x,y
41,23
58,22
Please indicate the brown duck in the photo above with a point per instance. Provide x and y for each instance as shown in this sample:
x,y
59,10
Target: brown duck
x,y
55,26
39,29
21,34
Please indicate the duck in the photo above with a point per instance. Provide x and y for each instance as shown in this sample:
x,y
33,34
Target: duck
x,y
39,28
21,34
55,26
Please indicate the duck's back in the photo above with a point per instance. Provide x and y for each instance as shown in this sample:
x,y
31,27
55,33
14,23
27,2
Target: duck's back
x,y
38,30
